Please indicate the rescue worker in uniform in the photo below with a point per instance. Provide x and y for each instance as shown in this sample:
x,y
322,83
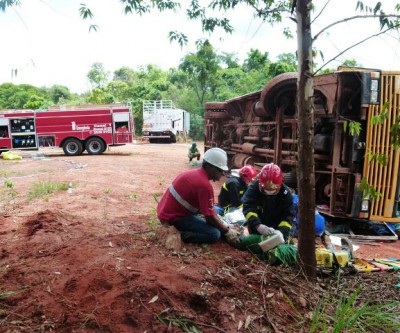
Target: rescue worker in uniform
x,y
268,204
230,196
193,152
191,193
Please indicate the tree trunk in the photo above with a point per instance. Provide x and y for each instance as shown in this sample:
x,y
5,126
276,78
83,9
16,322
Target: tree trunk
x,y
305,170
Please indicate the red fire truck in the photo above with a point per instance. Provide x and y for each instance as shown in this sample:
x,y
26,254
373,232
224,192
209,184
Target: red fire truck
x,y
74,128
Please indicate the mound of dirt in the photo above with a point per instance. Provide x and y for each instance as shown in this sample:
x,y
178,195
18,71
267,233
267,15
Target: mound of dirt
x,y
90,260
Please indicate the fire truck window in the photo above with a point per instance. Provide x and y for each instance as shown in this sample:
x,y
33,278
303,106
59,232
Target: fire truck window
x,y
121,126
3,131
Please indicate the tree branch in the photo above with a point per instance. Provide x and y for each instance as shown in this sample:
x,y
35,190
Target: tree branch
x,y
321,11
350,19
354,45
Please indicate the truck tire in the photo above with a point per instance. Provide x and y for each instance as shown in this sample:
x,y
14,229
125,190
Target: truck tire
x,y
173,138
95,146
72,147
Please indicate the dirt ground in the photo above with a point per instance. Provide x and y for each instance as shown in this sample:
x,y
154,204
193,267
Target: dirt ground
x,y
88,261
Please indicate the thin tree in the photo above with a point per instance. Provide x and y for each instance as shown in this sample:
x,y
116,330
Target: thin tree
x,y
305,170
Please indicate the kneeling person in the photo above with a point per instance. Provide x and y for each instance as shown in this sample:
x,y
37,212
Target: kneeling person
x,y
230,196
268,203
194,152
190,194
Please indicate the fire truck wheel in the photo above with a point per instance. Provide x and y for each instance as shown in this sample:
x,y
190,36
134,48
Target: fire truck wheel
x,y
95,146
72,147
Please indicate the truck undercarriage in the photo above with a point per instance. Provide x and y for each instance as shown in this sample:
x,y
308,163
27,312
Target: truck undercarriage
x,y
262,127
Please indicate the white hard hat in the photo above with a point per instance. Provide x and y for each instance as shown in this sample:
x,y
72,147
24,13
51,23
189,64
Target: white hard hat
x,y
217,157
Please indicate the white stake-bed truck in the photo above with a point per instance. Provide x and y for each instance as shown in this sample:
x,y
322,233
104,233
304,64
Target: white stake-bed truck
x,y
163,122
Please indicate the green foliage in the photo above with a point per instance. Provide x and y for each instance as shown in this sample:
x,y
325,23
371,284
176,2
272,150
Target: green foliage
x,y
354,127
124,74
36,102
379,158
85,12
59,94
8,3
287,33
196,127
395,133
7,294
368,191
384,20
40,189
281,67
202,68
97,75
380,119
20,96
256,60
179,37
8,183
229,59
9,188
351,63
349,316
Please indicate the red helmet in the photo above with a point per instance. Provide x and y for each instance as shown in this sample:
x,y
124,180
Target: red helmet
x,y
270,179
247,173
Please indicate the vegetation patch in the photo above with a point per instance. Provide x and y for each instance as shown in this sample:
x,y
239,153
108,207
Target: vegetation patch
x,y
40,189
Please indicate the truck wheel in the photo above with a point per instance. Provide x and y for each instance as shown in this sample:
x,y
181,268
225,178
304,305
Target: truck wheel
x,y
72,147
173,138
95,146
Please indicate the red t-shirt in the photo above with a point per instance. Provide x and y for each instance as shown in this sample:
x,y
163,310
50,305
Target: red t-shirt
x,y
195,188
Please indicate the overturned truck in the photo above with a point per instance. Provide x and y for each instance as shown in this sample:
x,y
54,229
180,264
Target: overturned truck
x,y
262,127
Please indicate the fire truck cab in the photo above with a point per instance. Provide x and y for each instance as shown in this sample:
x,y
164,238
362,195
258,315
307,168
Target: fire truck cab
x,y
92,128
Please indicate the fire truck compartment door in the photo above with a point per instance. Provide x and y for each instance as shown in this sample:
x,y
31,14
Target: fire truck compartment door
x,y
122,128
5,140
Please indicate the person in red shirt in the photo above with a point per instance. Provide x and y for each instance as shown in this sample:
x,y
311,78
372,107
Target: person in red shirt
x,y
191,194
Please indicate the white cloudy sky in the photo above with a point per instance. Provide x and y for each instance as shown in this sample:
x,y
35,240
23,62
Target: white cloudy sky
x,y
48,43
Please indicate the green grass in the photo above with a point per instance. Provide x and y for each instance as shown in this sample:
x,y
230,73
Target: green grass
x,y
7,294
351,317
9,188
40,189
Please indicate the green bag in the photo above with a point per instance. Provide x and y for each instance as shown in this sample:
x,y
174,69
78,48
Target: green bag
x,y
285,254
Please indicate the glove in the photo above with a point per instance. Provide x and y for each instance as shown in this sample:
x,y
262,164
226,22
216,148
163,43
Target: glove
x,y
284,227
264,230
232,237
